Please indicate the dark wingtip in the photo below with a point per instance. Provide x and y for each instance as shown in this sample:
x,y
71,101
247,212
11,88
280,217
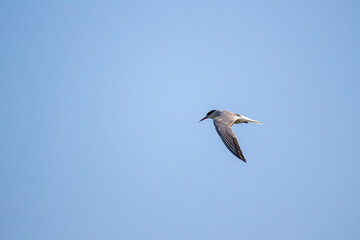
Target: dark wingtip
x,y
241,157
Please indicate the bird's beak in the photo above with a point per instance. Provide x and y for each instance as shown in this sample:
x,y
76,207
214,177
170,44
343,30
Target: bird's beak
x,y
203,119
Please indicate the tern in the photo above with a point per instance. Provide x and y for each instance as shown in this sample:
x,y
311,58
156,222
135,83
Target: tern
x,y
223,121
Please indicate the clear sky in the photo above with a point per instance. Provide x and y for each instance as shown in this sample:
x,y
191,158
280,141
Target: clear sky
x,y
100,103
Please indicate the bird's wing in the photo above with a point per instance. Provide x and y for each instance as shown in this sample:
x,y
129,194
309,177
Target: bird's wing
x,y
228,136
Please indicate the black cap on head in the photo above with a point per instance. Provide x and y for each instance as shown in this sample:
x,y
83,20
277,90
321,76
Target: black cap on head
x,y
210,112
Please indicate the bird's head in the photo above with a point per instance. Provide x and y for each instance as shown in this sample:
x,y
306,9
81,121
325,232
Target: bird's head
x,y
212,114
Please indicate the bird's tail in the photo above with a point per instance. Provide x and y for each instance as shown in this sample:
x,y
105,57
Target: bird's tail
x,y
254,121
244,119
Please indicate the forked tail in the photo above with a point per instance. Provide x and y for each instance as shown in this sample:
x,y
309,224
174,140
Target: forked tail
x,y
244,119
254,121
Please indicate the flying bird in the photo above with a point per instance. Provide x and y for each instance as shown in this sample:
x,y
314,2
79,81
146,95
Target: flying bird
x,y
223,121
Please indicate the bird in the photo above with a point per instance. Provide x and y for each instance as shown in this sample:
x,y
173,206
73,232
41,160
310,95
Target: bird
x,y
223,121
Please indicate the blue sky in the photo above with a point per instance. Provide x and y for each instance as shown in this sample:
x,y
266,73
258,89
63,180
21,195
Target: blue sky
x,y
100,103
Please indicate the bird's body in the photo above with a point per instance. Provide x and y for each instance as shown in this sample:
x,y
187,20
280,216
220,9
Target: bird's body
x,y
223,121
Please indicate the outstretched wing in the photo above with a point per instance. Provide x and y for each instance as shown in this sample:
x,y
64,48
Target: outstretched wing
x,y
228,136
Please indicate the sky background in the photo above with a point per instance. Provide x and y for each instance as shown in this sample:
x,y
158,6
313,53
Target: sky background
x,y
100,103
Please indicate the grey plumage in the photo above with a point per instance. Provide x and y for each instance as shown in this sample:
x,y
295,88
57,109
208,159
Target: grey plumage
x,y
223,121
